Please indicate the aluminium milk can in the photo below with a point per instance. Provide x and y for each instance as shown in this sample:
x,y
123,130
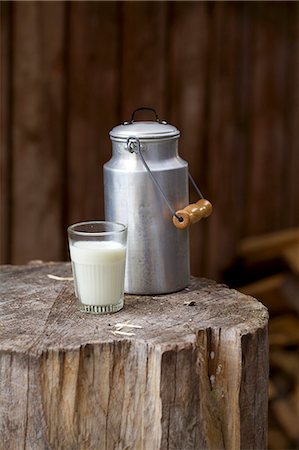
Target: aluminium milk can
x,y
145,183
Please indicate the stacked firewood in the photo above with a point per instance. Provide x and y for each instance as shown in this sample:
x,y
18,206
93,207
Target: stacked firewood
x,y
268,269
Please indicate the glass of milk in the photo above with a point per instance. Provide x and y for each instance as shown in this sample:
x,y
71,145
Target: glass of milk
x,y
98,255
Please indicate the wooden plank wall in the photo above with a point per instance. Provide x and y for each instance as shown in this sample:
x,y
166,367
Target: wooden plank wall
x,y
227,74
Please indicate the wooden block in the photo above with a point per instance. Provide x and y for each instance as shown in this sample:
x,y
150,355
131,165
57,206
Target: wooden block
x,y
287,361
291,255
189,377
285,413
290,290
267,246
284,330
269,291
277,439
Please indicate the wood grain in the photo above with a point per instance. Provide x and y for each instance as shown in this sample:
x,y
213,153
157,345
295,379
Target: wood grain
x,y
225,175
268,111
5,116
225,74
190,377
38,135
143,62
291,210
188,102
92,104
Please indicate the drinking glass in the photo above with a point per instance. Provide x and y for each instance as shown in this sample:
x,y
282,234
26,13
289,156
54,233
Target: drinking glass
x,y
98,255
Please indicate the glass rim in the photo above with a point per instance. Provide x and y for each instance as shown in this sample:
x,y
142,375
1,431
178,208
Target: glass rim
x,y
71,228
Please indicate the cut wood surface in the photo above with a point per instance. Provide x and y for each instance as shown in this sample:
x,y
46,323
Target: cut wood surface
x,y
189,372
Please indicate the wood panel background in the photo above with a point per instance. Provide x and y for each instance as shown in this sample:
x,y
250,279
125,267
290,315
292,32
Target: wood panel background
x,y
226,74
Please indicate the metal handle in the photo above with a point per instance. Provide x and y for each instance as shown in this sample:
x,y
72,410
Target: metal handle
x,y
182,218
142,109
133,145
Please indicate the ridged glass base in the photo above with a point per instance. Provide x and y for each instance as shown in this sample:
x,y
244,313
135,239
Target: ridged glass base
x,y
101,309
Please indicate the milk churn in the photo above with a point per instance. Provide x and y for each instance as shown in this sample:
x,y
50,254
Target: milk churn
x,y
146,188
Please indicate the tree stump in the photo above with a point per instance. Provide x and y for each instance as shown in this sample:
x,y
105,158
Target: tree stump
x,y
192,374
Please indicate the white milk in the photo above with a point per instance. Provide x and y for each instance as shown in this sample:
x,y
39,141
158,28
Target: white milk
x,y
98,268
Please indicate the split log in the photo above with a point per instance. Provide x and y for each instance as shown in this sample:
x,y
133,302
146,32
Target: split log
x,y
284,381
271,245
193,375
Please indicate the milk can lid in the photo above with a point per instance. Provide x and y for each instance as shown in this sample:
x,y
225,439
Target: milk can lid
x,y
154,129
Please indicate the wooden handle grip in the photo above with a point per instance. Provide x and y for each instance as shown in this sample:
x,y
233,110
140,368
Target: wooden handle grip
x,y
193,213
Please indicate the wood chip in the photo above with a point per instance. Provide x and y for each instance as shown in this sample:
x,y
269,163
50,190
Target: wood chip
x,y
55,277
126,325
123,333
191,303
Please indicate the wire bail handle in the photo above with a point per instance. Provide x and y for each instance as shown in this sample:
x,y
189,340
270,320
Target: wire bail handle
x,y
191,213
145,108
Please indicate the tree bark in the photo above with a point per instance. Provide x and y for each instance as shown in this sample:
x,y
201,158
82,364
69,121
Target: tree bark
x,y
193,376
